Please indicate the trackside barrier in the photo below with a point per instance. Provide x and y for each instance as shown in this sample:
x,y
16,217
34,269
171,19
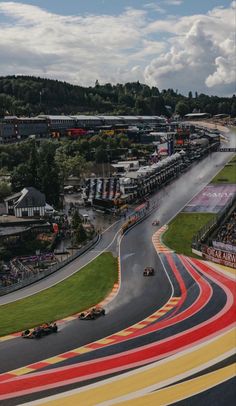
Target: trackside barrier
x,y
127,226
203,234
4,290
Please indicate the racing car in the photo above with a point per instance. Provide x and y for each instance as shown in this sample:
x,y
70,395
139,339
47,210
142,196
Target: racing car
x,y
155,223
148,271
92,314
38,332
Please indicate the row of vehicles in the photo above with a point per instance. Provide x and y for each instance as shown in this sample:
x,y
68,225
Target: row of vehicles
x,y
49,328
92,314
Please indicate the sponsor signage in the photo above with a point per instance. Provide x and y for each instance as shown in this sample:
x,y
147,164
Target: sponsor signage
x,y
223,246
212,198
228,149
219,256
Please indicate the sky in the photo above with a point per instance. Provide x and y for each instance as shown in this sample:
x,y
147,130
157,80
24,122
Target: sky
x,y
186,45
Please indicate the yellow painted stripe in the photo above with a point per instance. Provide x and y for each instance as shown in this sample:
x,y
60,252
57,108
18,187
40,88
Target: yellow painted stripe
x,y
169,307
105,341
81,350
184,390
139,326
54,360
124,333
152,318
70,318
22,371
223,268
170,368
175,299
9,337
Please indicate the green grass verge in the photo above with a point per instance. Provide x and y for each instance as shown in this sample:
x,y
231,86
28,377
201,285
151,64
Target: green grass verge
x,y
182,229
80,291
228,173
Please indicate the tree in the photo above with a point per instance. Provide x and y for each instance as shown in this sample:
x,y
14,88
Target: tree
x,y
181,108
80,234
49,173
5,190
233,109
33,166
100,155
21,177
76,220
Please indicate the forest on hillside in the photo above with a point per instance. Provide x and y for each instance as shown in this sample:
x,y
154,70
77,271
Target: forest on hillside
x,y
29,96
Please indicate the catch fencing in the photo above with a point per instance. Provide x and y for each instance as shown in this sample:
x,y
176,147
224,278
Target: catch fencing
x,y
4,290
203,235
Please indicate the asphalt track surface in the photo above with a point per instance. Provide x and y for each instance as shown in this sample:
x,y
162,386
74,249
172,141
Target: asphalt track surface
x,y
137,298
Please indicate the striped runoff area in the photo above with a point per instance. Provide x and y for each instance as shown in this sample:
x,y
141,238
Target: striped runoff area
x,y
154,377
157,240
200,333
112,339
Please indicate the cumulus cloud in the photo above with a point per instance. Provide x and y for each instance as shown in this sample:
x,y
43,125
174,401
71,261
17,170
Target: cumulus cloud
x,y
74,48
201,54
189,53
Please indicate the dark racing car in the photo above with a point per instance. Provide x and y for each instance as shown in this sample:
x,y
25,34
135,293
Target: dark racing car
x,y
148,271
92,314
40,331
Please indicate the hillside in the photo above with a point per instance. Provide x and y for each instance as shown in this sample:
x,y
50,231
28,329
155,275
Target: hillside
x,y
26,95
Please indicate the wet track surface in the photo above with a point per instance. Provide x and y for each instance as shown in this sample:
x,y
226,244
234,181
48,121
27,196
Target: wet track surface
x,y
137,298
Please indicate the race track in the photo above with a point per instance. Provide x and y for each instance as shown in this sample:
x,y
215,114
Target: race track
x,y
164,338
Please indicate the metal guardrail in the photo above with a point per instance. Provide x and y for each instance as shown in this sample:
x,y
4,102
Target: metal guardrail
x,y
4,290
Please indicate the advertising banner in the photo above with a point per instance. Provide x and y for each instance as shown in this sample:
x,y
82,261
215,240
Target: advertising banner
x,y
211,199
220,257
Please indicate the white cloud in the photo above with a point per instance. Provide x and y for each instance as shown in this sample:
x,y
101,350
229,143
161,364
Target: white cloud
x,y
189,53
174,2
201,55
154,7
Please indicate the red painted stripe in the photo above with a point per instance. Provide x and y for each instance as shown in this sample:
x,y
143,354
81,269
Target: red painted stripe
x,y
5,377
38,365
206,290
66,355
223,320
180,282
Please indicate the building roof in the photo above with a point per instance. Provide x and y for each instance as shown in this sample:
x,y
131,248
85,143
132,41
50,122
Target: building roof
x,y
85,117
222,115
50,117
112,118
192,115
30,197
13,197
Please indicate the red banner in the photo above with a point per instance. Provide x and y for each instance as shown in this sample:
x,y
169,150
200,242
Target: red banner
x,y
219,256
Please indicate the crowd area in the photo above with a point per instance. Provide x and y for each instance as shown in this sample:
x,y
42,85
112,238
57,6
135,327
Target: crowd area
x,y
25,267
227,232
9,276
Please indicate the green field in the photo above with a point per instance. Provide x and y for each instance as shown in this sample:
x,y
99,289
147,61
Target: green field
x,y
84,289
185,225
182,229
228,173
